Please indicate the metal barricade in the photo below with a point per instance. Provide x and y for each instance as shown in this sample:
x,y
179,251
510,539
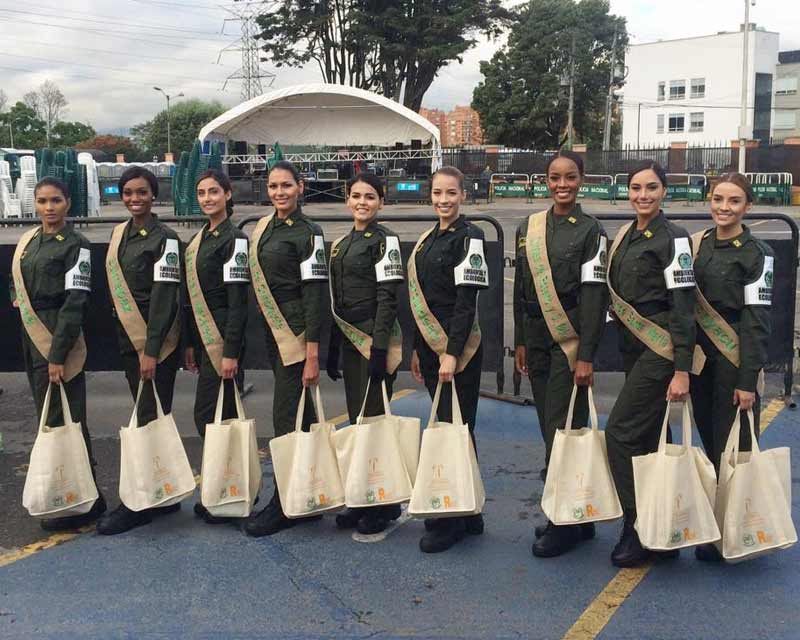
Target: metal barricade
x,y
508,185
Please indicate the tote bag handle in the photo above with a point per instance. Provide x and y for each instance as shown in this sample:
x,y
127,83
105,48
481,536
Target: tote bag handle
x,y
134,421
457,419
301,407
387,409
687,427
221,400
65,412
592,410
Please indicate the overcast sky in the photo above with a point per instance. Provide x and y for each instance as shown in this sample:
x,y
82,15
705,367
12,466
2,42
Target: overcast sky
x,y
106,55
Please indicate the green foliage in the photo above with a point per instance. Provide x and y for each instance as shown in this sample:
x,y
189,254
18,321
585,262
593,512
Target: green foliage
x,y
186,120
112,145
521,101
68,134
30,131
393,47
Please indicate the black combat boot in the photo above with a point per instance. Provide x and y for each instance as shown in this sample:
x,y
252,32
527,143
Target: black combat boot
x,y
446,533
123,519
557,540
629,551
587,530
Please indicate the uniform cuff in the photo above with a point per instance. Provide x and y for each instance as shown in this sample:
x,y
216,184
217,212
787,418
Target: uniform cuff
x,y
455,348
748,380
683,360
586,352
231,349
152,348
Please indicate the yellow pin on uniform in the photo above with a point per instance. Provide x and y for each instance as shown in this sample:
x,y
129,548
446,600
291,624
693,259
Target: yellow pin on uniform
x,y
368,234
60,238
289,221
521,243
737,243
648,233
143,232
215,233
572,219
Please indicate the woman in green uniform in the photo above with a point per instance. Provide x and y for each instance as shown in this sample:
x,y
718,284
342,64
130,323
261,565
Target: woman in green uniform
x,y
366,271
734,274
217,280
52,281
445,273
652,288
289,273
566,248
143,266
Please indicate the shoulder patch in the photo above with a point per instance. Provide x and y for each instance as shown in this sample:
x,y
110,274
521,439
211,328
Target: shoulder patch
x,y
168,267
760,291
390,266
79,277
473,271
237,269
315,267
594,270
679,273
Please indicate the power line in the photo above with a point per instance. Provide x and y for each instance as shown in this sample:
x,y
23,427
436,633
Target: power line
x,y
250,73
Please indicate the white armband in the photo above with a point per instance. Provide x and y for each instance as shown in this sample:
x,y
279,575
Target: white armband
x,y
760,291
168,267
314,267
472,271
237,269
390,266
80,276
679,274
595,269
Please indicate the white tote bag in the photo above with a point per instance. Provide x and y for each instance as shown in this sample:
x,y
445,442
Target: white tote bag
x,y
378,457
154,470
754,498
675,489
231,472
579,486
306,470
448,482
59,481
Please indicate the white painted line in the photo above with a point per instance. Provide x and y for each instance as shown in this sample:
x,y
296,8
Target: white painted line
x,y
380,537
755,224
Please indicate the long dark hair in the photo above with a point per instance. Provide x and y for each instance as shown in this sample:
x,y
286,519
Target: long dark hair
x,y
55,183
223,181
739,180
285,165
368,178
645,165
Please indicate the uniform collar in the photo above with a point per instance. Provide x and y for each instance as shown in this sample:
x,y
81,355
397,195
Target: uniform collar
x,y
457,224
575,213
743,238
371,229
219,230
290,219
653,226
59,236
148,226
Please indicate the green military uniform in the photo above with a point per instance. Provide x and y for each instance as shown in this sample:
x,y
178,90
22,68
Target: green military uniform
x,y
224,277
652,272
735,276
366,270
453,299
576,249
156,292
58,286
297,277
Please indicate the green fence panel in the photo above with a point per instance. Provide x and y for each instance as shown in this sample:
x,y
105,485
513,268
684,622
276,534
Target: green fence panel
x,y
510,190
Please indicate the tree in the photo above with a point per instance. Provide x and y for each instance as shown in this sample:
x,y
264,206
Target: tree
x,y
521,101
29,131
69,134
49,104
394,47
113,145
186,120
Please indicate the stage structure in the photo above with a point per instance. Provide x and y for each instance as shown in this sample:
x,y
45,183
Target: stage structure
x,y
329,131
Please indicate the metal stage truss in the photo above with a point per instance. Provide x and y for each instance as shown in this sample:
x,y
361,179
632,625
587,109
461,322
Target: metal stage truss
x,y
380,155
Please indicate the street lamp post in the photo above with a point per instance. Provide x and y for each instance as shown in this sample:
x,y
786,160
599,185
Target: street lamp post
x,y
745,82
169,134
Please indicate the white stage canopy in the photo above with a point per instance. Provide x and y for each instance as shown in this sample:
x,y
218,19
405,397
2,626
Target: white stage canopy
x,y
327,115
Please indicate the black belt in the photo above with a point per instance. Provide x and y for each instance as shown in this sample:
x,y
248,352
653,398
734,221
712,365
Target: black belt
x,y
357,314
647,309
47,305
568,302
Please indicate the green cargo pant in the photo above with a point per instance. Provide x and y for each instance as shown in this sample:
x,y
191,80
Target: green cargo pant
x,y
205,399
467,383
39,380
552,383
635,422
288,387
354,371
165,384
714,411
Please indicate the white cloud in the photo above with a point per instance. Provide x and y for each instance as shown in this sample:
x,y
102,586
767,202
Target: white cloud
x,y
115,51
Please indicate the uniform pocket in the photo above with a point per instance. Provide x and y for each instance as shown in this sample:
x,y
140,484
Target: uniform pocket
x,y
54,267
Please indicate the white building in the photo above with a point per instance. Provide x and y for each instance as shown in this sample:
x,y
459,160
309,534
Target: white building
x,y
689,90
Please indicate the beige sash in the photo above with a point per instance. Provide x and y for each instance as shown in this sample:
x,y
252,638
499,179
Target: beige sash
x,y
717,328
34,327
555,317
203,319
292,348
652,335
124,304
429,326
361,340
